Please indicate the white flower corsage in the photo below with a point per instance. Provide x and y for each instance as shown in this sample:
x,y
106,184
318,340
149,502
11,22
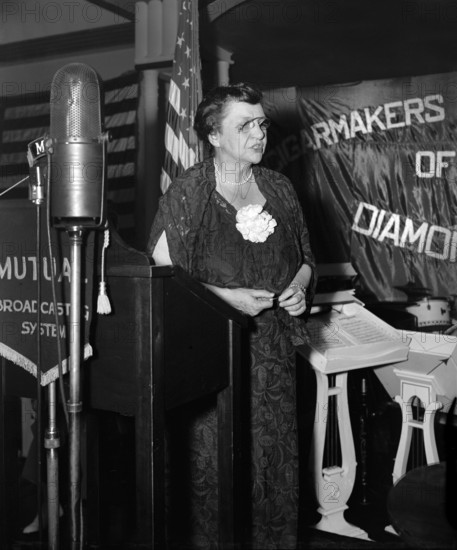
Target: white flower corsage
x,y
254,223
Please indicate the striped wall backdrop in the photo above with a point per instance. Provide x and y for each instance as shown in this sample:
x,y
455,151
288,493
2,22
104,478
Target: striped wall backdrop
x,y
26,117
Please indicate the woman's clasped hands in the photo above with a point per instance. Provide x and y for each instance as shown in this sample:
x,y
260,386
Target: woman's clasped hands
x,y
253,301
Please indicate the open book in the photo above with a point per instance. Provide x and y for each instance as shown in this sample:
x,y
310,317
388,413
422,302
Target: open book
x,y
346,336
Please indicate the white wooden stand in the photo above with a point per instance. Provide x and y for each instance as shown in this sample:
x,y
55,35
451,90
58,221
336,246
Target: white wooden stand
x,y
334,484
346,338
421,386
430,375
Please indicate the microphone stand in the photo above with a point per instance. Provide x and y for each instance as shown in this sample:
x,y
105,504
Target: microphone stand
x,y
77,147
52,444
74,402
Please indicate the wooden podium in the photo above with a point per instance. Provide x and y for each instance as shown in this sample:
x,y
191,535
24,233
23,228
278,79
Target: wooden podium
x,y
168,341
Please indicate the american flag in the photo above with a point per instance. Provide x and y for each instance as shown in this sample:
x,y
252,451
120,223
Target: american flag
x,y
182,148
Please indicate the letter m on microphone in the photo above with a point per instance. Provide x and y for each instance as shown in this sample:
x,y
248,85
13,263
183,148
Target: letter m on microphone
x,y
39,147
182,148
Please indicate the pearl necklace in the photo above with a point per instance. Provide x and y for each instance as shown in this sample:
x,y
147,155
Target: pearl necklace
x,y
242,182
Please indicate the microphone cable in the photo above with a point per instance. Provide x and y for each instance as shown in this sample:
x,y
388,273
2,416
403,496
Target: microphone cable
x,y
54,293
39,411
5,191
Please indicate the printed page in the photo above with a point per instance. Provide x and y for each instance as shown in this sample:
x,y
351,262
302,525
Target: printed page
x,y
326,335
361,331
338,330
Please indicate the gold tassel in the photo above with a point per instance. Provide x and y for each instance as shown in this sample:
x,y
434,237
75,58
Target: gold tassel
x,y
103,303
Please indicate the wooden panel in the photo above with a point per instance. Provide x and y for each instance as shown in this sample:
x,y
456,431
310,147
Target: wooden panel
x,y
118,347
196,346
168,341
68,43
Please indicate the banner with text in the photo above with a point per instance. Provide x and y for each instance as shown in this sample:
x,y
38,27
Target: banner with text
x,y
28,311
380,184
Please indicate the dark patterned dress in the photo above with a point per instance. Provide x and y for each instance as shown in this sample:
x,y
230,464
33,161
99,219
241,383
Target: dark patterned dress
x,y
202,238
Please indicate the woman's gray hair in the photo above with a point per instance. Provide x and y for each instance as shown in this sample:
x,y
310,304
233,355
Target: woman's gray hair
x,y
210,111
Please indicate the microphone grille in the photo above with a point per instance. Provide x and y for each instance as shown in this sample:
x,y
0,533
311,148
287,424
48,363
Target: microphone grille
x,y
75,103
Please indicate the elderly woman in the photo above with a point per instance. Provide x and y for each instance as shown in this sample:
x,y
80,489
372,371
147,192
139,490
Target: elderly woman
x,y
239,229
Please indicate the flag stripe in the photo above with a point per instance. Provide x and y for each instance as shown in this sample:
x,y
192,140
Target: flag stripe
x,y
172,144
186,154
175,96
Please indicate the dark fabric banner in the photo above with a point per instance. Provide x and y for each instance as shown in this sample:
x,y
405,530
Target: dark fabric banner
x,y
380,181
21,302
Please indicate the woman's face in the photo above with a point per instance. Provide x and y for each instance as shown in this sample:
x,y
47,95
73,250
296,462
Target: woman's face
x,y
241,137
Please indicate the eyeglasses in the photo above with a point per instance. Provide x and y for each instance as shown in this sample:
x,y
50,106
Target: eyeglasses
x,y
262,123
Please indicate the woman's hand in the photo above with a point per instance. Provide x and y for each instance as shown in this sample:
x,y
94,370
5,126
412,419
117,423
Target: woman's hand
x,y
248,300
251,301
293,300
